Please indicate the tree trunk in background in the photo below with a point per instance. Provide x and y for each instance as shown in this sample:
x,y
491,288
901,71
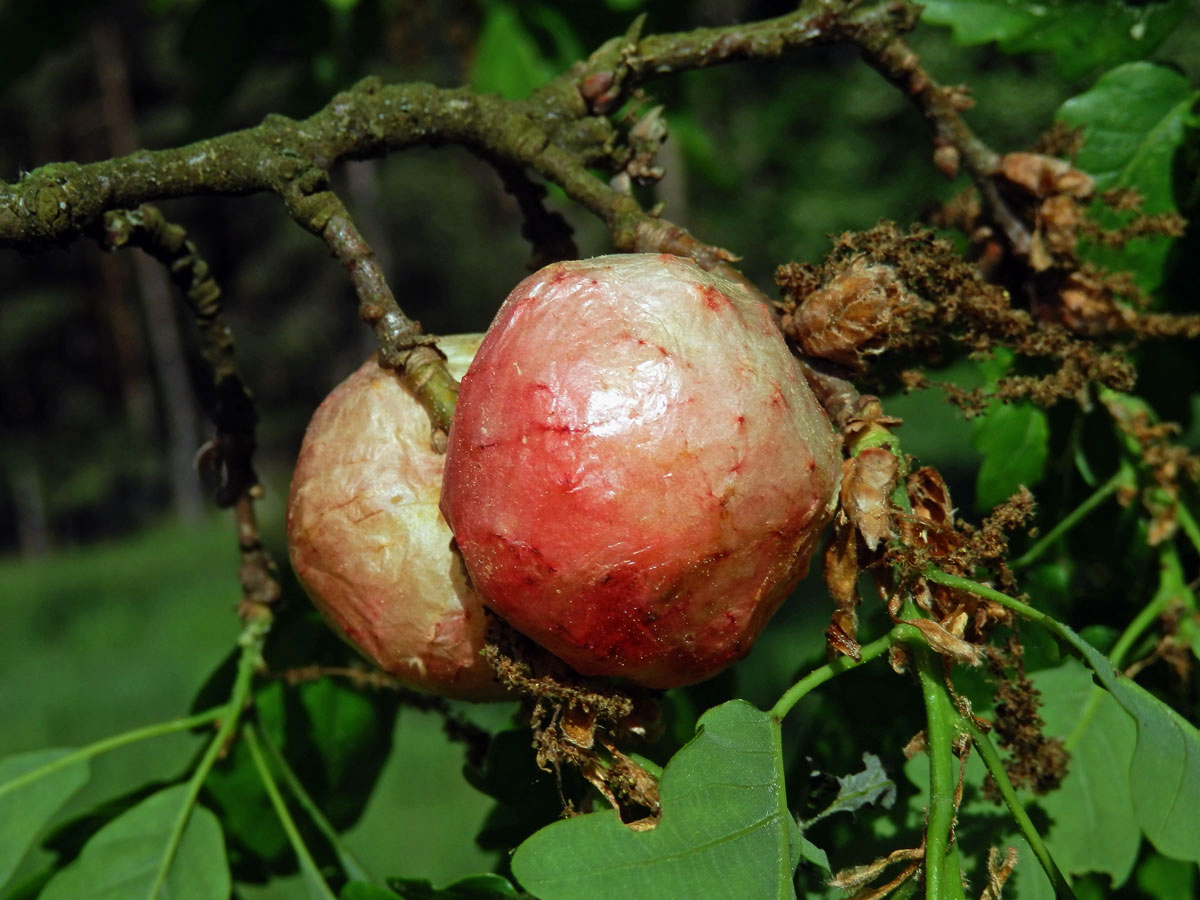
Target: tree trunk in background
x,y
125,344
29,506
154,288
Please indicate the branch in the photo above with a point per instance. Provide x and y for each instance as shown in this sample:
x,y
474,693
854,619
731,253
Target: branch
x,y
559,133
231,452
555,132
954,141
631,60
401,345
232,410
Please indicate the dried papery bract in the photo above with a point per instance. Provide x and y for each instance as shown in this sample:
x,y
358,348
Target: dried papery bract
x,y
851,315
638,472
367,540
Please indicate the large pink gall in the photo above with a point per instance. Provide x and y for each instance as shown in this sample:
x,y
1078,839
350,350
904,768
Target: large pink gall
x,y
637,471
367,540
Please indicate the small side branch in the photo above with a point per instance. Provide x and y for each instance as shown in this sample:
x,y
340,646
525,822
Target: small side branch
x,y
231,452
954,142
632,61
402,346
230,455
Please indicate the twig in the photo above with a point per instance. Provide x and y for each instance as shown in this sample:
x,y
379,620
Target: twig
x,y
232,410
231,452
318,889
548,232
954,141
995,766
941,722
402,346
821,674
815,22
1122,478
351,864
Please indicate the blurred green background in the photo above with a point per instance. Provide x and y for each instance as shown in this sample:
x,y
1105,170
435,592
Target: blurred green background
x,y
118,580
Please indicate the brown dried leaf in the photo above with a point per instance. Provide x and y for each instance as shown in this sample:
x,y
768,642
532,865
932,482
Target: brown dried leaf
x,y
932,522
839,636
841,578
851,315
998,872
1042,175
930,497
1075,183
956,624
1086,305
634,782
841,564
1039,257
578,726
646,824
859,876
916,744
867,485
596,777
942,641
988,614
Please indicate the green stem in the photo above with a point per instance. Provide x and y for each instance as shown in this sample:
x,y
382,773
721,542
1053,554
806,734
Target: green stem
x,y
1133,631
355,870
114,742
251,641
982,590
1187,523
941,719
991,759
1123,476
820,675
307,864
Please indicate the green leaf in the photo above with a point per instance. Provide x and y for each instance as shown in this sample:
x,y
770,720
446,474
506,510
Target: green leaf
x,y
1014,439
1094,828
814,855
1165,772
121,862
473,887
1081,34
508,61
860,789
724,830
32,790
335,738
361,890
527,798
1134,119
1160,876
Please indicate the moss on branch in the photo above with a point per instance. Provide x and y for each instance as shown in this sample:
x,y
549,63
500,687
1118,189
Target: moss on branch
x,y
561,133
